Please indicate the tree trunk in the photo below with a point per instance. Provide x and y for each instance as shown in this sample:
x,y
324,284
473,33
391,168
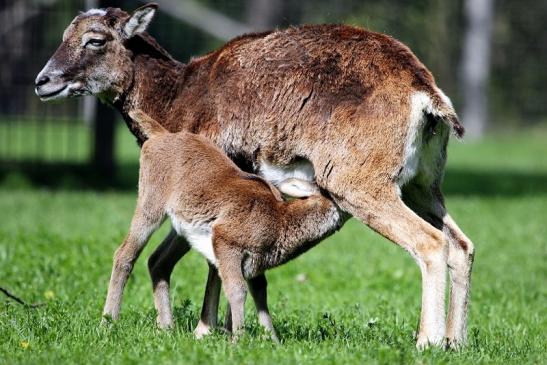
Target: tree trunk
x,y
264,14
476,65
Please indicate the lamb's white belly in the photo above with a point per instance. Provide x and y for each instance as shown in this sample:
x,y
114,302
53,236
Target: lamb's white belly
x,y
198,234
302,170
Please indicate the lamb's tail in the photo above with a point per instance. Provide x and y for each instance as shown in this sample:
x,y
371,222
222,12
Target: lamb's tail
x,y
442,109
149,125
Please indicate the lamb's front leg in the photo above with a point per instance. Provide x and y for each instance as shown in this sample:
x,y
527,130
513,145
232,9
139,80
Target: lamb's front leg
x,y
258,288
142,226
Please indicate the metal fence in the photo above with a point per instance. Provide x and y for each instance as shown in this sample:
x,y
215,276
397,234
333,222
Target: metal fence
x,y
30,130
78,131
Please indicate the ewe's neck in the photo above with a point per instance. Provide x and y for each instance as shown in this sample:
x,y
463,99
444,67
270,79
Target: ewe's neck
x,y
156,81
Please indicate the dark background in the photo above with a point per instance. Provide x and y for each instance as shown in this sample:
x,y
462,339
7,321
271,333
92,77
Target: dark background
x,y
509,93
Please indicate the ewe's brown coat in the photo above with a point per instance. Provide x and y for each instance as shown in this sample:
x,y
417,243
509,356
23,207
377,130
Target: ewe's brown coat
x,y
358,105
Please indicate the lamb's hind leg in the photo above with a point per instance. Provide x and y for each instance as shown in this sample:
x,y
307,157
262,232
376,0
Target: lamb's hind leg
x,y
385,212
160,267
233,283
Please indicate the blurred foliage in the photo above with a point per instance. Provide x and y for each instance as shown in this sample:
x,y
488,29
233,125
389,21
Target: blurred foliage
x,y
433,29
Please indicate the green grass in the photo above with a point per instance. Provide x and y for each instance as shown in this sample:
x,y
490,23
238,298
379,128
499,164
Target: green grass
x,y
359,304
44,140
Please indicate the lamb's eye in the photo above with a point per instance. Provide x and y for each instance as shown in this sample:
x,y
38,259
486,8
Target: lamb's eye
x,y
95,43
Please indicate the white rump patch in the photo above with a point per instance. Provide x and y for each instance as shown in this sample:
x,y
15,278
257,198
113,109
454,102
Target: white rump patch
x,y
420,102
100,12
301,170
198,234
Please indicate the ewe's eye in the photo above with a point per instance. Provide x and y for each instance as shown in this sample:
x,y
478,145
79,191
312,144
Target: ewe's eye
x,y
95,43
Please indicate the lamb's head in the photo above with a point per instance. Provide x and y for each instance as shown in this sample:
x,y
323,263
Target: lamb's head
x,y
92,58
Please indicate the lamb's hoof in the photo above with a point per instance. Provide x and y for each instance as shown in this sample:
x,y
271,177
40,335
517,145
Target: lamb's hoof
x,y
275,339
106,320
201,330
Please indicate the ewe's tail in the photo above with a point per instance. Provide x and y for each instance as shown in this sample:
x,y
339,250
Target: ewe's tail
x,y
442,109
150,127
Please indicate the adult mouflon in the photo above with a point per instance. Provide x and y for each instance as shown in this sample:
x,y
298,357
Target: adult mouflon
x,y
351,109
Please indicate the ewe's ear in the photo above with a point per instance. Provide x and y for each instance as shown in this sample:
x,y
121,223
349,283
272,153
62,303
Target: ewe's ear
x,y
139,20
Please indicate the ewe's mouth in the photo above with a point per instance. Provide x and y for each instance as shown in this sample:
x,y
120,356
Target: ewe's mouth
x,y
51,94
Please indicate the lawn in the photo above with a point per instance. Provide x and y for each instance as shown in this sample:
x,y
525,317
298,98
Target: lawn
x,y
358,303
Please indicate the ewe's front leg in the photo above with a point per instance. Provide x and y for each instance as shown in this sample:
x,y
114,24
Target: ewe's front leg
x,y
258,287
209,310
160,267
142,226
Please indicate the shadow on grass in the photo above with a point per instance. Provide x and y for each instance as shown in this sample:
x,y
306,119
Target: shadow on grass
x,y
85,177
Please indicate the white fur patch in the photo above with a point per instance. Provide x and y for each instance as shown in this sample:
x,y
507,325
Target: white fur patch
x,y
100,12
198,234
298,188
302,170
419,102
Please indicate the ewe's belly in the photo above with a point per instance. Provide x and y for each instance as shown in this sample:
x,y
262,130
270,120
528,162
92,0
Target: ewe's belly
x,y
302,170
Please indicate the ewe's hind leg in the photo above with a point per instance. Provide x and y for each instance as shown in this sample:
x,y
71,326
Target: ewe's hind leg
x,y
160,267
460,262
228,319
427,202
385,212
209,310
258,288
142,226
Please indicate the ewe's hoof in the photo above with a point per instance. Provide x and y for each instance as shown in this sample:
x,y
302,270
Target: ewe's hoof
x,y
201,330
454,344
424,343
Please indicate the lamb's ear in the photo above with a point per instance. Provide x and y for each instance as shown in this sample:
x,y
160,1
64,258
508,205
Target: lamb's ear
x,y
139,20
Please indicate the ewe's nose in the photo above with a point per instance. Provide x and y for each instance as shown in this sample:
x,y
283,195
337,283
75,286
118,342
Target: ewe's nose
x,y
42,80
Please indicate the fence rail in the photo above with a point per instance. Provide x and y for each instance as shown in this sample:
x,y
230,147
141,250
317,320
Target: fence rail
x,y
80,131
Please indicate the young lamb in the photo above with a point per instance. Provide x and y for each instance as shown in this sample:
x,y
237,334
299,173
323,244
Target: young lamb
x,y
237,220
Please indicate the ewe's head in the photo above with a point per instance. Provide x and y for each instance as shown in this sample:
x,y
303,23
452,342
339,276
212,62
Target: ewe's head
x,y
92,58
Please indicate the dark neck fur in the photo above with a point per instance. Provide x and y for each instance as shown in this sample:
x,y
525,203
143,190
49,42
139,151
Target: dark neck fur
x,y
156,80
